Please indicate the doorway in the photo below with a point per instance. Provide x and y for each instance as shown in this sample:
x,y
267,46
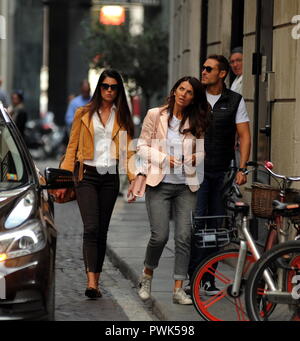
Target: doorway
x,y
263,101
237,27
262,69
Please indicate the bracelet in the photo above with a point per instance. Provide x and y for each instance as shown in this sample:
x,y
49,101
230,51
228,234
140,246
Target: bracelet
x,y
142,174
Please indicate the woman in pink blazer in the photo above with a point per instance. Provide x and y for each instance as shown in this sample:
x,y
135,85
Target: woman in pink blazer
x,y
171,147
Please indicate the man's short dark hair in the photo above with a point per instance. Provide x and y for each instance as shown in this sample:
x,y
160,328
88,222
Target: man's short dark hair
x,y
223,62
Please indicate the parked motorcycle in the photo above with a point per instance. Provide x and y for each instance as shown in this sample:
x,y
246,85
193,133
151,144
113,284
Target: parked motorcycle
x,y
44,138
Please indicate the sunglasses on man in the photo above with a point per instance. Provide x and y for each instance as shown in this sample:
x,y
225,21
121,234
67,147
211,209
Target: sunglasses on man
x,y
113,87
208,69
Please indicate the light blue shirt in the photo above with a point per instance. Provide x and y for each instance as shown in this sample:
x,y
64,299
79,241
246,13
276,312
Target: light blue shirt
x,y
76,103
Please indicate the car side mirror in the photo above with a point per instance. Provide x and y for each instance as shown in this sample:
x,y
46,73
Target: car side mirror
x,y
57,178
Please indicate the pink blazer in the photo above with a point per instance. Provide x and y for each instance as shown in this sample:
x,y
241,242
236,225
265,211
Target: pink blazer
x,y
152,150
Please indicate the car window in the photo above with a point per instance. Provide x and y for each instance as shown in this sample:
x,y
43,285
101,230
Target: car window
x,y
12,170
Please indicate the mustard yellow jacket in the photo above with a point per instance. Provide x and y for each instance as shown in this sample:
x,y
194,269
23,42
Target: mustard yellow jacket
x,y
81,145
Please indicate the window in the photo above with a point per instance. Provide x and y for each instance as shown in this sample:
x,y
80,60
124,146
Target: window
x,y
12,171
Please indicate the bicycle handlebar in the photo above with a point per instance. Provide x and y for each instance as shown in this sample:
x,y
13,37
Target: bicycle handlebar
x,y
269,166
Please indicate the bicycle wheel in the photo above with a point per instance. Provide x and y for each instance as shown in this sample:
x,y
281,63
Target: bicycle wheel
x,y
220,268
283,264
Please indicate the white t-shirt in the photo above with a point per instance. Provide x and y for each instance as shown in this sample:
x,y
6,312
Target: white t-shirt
x,y
175,148
237,85
241,114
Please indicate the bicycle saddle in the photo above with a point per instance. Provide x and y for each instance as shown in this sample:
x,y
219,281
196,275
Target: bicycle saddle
x,y
241,207
286,209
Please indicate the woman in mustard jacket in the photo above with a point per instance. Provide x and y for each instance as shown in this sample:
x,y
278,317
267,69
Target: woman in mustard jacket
x,y
98,150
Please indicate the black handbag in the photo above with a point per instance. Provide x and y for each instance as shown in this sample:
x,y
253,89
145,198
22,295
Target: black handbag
x,y
70,194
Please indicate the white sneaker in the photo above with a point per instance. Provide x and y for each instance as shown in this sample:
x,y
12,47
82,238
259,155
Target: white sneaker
x,y
145,287
180,297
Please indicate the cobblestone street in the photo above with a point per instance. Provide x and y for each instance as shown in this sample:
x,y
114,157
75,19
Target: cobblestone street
x,y
119,301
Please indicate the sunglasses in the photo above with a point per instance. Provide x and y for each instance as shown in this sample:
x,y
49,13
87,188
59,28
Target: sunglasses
x,y
207,68
105,86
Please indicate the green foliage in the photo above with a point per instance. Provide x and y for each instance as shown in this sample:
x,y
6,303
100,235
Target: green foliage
x,y
142,59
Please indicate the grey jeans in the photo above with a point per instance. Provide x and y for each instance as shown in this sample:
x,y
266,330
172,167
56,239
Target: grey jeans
x,y
159,201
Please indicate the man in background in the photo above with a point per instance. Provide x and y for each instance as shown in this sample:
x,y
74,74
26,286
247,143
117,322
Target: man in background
x,y
78,102
236,64
17,110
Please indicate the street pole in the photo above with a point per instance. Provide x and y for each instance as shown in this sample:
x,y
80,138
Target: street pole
x,y
44,75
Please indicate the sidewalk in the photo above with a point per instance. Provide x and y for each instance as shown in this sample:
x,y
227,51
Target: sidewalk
x,y
128,236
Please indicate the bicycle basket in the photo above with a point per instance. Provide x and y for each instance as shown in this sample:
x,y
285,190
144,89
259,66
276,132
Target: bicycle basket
x,y
262,199
212,232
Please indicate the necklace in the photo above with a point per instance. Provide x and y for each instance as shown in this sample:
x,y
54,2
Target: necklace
x,y
101,118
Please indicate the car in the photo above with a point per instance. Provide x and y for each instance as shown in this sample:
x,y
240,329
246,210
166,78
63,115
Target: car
x,y
27,230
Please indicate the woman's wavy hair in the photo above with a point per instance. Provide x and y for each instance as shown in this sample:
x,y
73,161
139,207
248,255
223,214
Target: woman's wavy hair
x,y
123,114
196,112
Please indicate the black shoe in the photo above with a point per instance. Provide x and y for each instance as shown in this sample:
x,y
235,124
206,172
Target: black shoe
x,y
93,293
209,289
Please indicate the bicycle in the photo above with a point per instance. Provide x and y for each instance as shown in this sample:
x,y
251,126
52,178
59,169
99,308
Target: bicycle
x,y
230,268
274,279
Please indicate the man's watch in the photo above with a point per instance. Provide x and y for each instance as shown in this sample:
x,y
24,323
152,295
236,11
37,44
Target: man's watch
x,y
244,170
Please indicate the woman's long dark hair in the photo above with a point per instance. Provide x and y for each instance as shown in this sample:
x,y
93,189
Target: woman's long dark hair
x,y
123,114
196,112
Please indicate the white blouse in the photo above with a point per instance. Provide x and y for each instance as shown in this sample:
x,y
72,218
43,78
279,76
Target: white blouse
x,y
175,175
103,142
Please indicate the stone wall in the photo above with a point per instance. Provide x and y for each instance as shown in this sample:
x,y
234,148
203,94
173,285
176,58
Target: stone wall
x,y
285,116
184,39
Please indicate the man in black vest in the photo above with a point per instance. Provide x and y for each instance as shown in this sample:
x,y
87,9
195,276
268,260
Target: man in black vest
x,y
228,117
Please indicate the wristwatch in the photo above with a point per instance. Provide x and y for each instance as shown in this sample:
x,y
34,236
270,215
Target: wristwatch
x,y
244,170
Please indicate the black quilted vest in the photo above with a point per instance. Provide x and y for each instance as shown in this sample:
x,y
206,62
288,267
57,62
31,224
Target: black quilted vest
x,y
220,136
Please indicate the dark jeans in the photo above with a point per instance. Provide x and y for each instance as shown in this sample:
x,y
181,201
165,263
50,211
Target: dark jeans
x,y
96,197
209,203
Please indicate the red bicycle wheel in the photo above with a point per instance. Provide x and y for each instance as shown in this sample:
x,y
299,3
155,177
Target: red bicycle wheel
x,y
219,269
283,264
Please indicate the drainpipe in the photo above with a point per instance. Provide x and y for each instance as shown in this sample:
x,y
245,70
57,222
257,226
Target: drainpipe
x,y
257,61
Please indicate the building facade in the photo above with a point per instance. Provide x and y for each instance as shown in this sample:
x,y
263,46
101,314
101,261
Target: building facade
x,y
42,50
43,35
269,32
